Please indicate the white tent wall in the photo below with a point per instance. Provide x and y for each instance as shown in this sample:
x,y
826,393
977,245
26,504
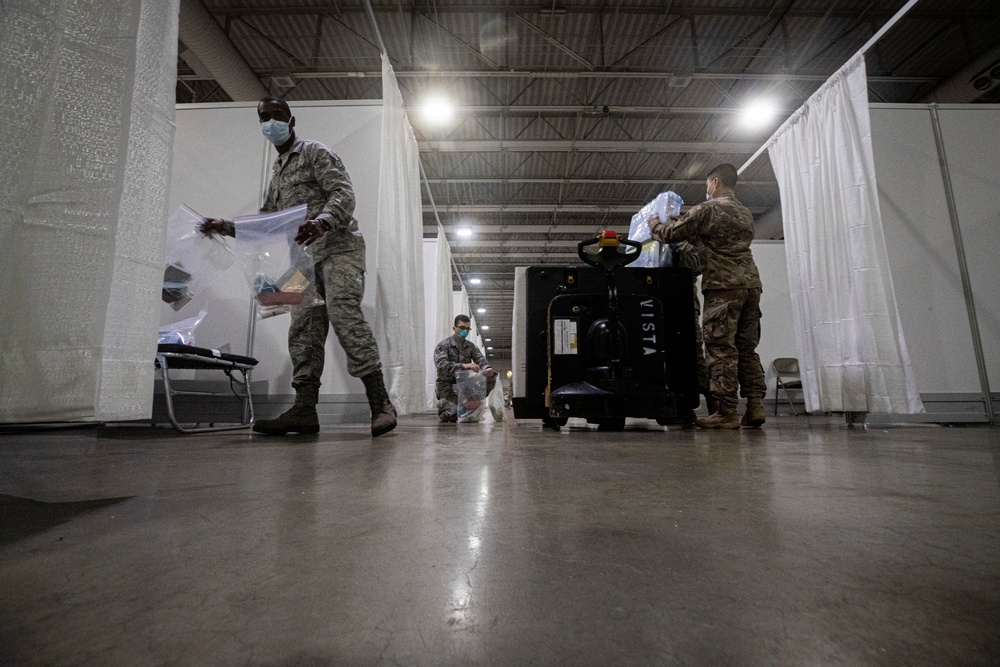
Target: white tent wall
x,y
221,168
399,254
83,210
922,251
777,333
438,303
972,145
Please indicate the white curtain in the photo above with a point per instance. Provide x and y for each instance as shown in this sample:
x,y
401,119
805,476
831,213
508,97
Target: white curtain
x,y
83,204
854,356
438,304
399,262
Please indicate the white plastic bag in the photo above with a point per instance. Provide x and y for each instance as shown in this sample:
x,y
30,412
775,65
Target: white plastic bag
x,y
495,402
281,273
471,390
180,333
192,258
665,205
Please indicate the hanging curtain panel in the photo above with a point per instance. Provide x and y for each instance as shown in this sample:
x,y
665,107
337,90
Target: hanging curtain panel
x,y
854,356
400,271
83,210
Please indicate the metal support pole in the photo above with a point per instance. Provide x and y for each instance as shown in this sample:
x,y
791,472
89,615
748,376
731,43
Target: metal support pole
x,y
963,267
248,375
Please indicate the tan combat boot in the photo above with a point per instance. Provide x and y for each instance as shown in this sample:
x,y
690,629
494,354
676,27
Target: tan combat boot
x,y
301,419
724,418
754,416
383,411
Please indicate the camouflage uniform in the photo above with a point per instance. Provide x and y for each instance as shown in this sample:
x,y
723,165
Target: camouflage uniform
x,y
686,255
449,356
722,229
310,173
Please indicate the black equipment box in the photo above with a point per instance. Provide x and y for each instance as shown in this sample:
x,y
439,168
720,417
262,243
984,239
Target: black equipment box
x,y
565,343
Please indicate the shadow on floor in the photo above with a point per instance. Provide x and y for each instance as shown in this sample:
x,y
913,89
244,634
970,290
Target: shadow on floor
x,y
21,518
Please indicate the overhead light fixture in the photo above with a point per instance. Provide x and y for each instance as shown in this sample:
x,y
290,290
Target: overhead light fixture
x,y
489,348
480,310
475,281
758,114
484,328
463,233
437,110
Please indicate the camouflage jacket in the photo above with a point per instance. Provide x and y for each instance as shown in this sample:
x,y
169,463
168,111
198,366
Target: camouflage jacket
x,y
310,173
721,230
450,354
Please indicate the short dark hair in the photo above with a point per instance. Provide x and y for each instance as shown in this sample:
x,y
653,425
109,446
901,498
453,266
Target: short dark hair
x,y
726,173
462,318
275,100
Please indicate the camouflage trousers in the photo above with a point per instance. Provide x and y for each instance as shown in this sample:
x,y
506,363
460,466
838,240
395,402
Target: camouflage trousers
x,y
340,280
731,323
447,404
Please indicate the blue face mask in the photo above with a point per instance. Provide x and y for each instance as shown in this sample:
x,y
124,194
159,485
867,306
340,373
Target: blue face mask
x,y
463,333
275,131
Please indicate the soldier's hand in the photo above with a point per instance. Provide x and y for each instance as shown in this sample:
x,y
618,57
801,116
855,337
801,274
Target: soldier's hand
x,y
471,366
211,226
489,372
309,232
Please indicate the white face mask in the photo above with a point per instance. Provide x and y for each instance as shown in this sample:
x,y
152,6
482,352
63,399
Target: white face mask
x,y
708,194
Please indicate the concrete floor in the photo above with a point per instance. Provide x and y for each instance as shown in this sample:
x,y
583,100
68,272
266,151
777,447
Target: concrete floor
x,y
806,543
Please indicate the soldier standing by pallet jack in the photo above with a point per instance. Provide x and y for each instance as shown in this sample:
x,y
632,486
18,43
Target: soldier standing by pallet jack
x,y
721,228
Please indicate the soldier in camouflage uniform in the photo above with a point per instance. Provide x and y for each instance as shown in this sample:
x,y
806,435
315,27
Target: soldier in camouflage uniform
x,y
306,172
455,353
722,229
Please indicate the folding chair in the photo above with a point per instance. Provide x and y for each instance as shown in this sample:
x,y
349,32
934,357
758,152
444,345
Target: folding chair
x,y
173,356
786,376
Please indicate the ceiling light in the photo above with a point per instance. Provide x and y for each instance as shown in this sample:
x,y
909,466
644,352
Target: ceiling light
x,y
463,232
488,340
475,281
489,348
484,328
758,114
480,310
437,110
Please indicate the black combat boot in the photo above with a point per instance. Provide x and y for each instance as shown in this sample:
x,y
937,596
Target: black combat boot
x,y
301,418
383,411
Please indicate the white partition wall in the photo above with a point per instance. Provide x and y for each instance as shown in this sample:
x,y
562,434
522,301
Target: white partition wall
x,y
777,331
82,204
221,166
438,304
922,250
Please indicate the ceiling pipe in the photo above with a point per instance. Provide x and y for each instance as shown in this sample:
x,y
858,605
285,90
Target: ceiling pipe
x,y
203,37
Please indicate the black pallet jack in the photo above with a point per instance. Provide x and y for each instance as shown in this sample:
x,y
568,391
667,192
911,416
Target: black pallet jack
x,y
619,342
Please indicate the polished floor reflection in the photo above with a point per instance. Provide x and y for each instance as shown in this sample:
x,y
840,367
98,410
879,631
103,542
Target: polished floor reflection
x,y
805,543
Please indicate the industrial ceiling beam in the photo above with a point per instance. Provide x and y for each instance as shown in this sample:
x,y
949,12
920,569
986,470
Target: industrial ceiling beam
x,y
318,73
572,110
645,9
583,181
567,145
544,208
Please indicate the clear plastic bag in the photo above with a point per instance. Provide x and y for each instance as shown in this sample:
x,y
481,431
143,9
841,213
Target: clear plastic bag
x,y
495,402
281,273
471,390
180,333
192,258
654,254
